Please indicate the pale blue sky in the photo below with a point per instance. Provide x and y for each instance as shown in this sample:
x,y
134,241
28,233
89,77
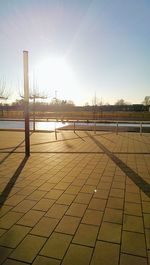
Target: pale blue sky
x,y
105,43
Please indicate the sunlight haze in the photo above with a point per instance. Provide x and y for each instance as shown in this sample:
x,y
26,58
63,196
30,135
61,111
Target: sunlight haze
x,y
78,48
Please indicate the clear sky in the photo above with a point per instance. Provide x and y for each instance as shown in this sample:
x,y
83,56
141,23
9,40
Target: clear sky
x,y
78,47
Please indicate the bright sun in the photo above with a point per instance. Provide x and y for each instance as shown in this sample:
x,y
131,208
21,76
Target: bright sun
x,y
54,74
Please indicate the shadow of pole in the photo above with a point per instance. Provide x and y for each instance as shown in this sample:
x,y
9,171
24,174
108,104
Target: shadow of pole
x,y
12,181
136,178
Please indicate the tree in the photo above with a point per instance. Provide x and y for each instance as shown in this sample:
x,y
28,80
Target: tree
x,y
146,100
3,92
120,102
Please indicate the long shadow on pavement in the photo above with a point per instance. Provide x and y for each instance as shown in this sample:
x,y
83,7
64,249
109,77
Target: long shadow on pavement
x,y
137,179
12,181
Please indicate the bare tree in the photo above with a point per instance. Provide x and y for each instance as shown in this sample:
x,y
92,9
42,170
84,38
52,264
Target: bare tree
x,y
120,102
3,91
3,94
146,100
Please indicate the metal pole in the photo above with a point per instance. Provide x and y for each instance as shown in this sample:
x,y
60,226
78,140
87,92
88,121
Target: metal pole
x,y
26,103
74,126
117,128
34,113
141,128
95,127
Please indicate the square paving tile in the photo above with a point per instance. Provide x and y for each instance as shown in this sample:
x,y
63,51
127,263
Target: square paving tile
x,y
86,235
147,220
9,219
101,194
24,206
68,225
4,253
133,209
44,204
57,211
31,218
45,261
110,232
44,227
53,194
28,248
76,209
56,245
113,215
14,200
105,253
115,203
138,243
130,260
13,262
14,236
92,217
83,198
133,223
97,204
66,199
76,254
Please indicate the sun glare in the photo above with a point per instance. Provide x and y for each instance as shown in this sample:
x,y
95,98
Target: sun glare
x,y
54,73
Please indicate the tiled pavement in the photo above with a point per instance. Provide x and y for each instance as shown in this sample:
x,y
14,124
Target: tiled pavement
x,y
70,203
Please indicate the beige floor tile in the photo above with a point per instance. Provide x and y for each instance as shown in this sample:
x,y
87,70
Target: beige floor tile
x,y
24,206
138,243
13,262
101,194
57,211
36,195
56,245
66,199
44,227
110,232
133,209
92,217
132,197
76,209
115,203
105,253
31,218
113,215
147,233
97,204
14,236
28,249
86,235
130,260
14,200
147,220
9,219
44,204
45,261
76,254
4,253
83,198
133,223
53,194
146,207
68,225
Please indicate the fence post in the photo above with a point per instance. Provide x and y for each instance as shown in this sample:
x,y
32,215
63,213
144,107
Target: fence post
x,y
26,103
